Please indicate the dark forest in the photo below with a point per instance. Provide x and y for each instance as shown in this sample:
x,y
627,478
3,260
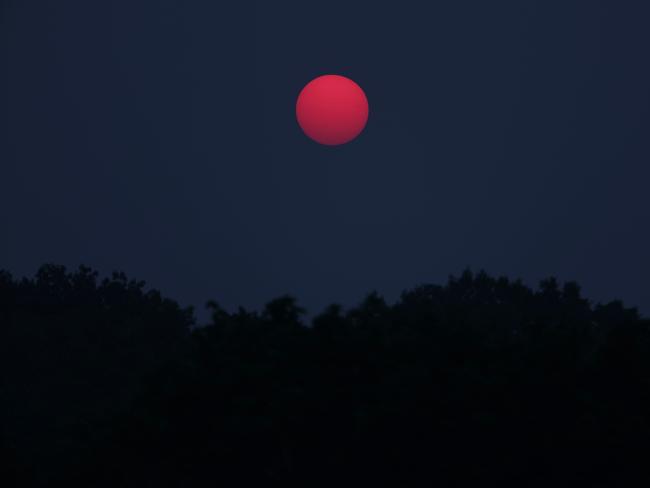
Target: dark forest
x,y
480,382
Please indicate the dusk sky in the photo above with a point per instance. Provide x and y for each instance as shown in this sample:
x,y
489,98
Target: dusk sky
x,y
159,138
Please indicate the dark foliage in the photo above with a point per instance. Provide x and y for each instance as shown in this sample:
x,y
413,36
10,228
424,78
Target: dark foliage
x,y
481,382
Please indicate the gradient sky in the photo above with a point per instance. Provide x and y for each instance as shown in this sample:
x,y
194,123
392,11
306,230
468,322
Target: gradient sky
x,y
159,138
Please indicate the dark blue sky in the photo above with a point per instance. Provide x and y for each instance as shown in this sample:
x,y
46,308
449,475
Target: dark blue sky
x,y
159,138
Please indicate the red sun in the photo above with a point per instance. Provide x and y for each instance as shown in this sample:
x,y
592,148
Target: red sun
x,y
332,110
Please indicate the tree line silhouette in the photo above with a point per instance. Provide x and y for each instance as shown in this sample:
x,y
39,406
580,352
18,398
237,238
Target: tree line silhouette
x,y
480,382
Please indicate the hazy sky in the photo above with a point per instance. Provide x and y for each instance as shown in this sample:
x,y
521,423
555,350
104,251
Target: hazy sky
x,y
159,138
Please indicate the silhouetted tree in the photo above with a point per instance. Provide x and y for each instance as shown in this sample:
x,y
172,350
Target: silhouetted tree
x,y
482,381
